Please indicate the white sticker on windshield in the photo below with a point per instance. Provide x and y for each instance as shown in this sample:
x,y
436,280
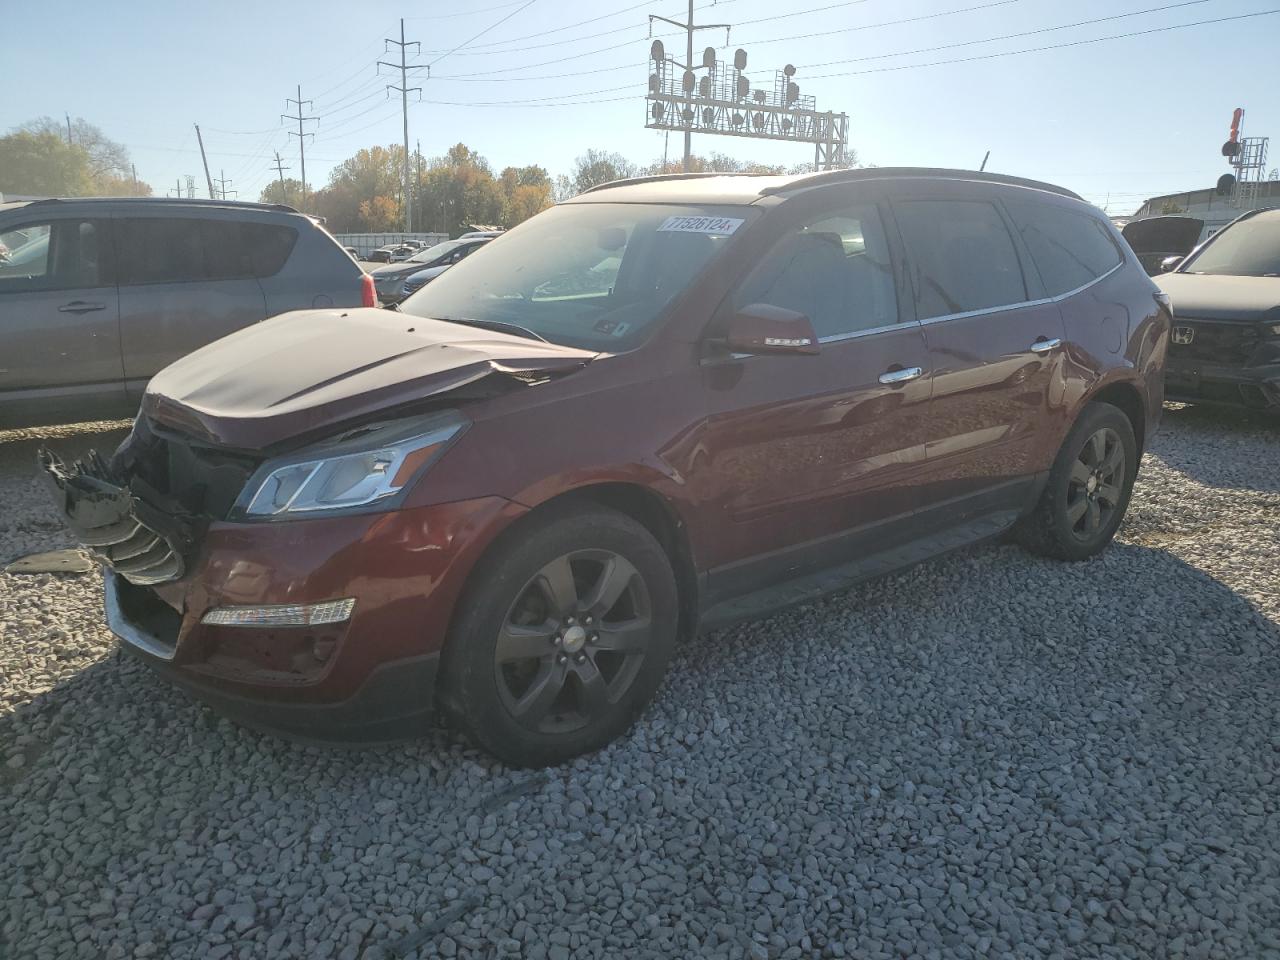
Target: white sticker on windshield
x,y
718,226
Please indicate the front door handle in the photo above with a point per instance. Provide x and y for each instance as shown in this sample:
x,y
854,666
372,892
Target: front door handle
x,y
1045,346
902,375
81,306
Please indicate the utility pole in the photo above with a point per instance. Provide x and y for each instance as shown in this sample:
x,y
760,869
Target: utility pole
x,y
301,135
404,89
68,129
205,160
178,192
417,186
222,182
984,161
281,168
689,27
133,168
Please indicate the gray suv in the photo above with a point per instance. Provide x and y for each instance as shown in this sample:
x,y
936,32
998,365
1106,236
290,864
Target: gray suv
x,y
97,295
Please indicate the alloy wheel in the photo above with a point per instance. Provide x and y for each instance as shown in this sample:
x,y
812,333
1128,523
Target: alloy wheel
x,y
1096,487
573,641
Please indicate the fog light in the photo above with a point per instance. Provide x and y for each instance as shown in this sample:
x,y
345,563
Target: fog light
x,y
281,615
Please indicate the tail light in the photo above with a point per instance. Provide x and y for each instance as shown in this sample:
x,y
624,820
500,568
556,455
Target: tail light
x,y
368,295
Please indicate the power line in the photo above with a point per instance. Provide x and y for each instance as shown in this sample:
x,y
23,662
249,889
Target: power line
x,y
467,13
491,26
1053,46
301,134
485,78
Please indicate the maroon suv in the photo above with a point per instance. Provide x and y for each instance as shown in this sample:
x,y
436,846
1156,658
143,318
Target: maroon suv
x,y
668,403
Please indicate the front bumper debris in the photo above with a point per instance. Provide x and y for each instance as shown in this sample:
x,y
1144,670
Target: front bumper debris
x,y
142,544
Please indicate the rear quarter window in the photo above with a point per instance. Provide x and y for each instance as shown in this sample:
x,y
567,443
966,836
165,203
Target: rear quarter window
x,y
1070,249
268,246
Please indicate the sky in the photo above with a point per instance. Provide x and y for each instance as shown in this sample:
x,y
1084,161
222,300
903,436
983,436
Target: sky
x,y
541,81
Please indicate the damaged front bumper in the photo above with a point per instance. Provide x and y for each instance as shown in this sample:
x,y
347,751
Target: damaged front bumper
x,y
1252,387
144,545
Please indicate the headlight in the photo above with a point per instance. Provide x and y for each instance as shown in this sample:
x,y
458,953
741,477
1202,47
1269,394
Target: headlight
x,y
363,466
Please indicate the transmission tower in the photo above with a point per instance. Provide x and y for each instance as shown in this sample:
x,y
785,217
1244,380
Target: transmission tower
x,y
404,90
301,134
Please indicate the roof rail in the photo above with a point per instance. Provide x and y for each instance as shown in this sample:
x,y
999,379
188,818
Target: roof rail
x,y
187,201
945,173
659,177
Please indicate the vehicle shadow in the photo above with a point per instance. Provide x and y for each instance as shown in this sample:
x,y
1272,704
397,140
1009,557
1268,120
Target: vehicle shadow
x,y
1106,694
1204,443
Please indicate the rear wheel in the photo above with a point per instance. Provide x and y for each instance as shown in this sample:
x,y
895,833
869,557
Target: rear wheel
x,y
1088,489
563,637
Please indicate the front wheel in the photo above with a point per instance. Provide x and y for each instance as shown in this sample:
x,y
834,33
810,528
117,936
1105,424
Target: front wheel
x,y
1088,489
563,637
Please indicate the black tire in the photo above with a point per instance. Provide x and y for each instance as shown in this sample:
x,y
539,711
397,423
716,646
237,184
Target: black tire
x,y
1062,525
547,587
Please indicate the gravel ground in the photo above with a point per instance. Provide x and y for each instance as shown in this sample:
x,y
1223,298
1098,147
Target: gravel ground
x,y
989,755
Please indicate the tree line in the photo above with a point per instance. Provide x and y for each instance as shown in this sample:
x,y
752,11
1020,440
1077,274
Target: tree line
x,y
364,194
44,158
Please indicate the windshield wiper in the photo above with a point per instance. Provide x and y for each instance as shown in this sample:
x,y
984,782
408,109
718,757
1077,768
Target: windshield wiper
x,y
502,326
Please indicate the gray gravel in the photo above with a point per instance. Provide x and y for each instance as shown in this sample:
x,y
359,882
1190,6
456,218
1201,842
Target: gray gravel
x,y
990,755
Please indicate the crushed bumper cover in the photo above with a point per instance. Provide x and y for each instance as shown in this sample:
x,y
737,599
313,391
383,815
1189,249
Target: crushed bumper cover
x,y
141,543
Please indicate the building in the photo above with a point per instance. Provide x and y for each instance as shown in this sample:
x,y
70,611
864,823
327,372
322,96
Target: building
x,y
1208,205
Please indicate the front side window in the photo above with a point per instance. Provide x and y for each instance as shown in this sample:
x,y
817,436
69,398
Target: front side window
x,y
61,255
1250,248
963,256
591,275
834,269
1070,249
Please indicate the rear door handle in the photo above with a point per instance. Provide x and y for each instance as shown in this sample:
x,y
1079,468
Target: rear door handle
x,y
1044,346
904,375
81,306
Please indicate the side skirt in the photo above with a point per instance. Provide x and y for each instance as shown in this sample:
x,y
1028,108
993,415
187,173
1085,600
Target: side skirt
x,y
813,586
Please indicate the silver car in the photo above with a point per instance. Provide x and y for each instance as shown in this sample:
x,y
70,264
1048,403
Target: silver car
x,y
97,295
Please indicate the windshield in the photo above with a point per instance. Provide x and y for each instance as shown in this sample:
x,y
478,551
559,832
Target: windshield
x,y
590,275
439,250
1250,248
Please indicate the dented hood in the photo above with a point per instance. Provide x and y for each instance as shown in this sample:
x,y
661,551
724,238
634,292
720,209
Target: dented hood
x,y
301,372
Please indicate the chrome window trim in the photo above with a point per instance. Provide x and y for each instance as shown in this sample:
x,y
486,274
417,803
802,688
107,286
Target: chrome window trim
x,y
1024,303
870,331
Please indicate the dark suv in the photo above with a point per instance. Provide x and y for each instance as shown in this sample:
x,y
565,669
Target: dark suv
x,y
1226,301
97,295
669,403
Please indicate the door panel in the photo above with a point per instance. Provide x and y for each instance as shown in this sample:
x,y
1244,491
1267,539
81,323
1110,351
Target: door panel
x,y
184,282
995,343
59,323
797,449
993,397
161,322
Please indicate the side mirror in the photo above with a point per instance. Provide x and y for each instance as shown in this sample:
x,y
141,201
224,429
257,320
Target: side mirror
x,y
1170,263
764,328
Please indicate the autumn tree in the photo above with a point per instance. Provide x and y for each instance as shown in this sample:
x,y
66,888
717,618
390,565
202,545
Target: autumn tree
x,y
36,159
288,191
599,166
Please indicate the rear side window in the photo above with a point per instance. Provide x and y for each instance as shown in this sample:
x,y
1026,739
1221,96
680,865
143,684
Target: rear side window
x,y
963,256
1070,249
177,250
